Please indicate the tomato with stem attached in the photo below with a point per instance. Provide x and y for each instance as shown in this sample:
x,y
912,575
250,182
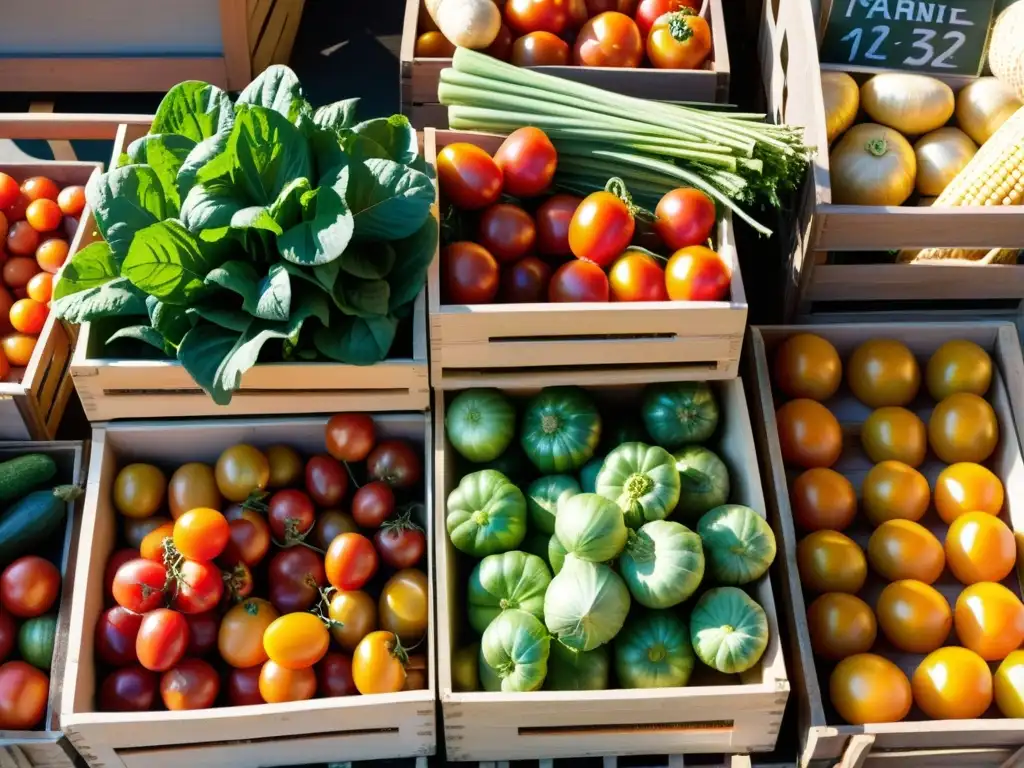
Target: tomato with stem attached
x,y
540,49
679,40
601,227
400,542
468,177
29,586
470,274
152,546
649,11
162,639
507,232
139,585
130,689
697,273
326,480
350,436
290,514
238,583
248,537
684,216
525,281
296,575
115,636
373,504
637,276
296,640
527,160
199,587
611,39
350,562
579,281
537,15
397,463
240,636
354,616
378,664
201,534
190,684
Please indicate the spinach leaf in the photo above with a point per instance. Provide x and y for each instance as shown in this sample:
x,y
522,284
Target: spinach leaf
x,y
327,150
368,260
388,200
363,298
193,109
277,88
203,152
337,116
145,334
357,340
164,153
232,319
275,295
203,350
286,210
239,277
117,297
171,322
209,206
327,225
414,254
165,261
125,201
394,134
90,267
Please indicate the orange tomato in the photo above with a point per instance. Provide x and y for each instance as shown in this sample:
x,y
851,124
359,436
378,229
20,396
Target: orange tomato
x,y
1009,685
989,619
963,427
201,533
914,616
808,366
822,499
980,547
433,45
841,625
152,547
883,372
51,254
39,188
9,190
43,215
958,366
952,684
378,664
71,200
867,688
240,636
296,640
831,562
809,434
22,240
28,316
894,491
894,433
278,683
40,287
903,549
967,487
18,347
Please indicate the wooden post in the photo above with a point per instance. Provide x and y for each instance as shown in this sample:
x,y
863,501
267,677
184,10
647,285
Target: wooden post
x,y
233,25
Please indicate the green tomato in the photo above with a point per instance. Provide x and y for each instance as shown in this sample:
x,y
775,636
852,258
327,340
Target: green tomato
x,y
642,480
35,641
586,604
561,429
511,580
543,497
570,670
556,554
465,668
591,528
663,564
589,473
738,542
654,651
480,423
703,481
514,653
679,414
729,631
486,514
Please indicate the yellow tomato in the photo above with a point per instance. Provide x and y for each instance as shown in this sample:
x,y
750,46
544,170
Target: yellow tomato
x,y
914,616
883,372
808,366
1009,685
903,549
139,490
867,688
963,427
952,684
894,491
989,619
958,366
809,434
967,487
980,547
822,499
831,562
895,434
841,625
296,640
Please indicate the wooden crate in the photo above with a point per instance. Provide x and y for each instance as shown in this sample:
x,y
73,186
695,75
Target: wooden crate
x,y
132,389
720,714
824,738
317,731
253,34
813,283
487,344
47,748
420,75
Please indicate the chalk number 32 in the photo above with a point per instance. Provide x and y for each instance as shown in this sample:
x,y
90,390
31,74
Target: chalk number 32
x,y
923,43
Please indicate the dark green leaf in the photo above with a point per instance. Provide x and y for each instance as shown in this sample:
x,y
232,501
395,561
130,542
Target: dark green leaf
x,y
239,277
327,275
193,109
388,200
276,88
362,147
124,201
172,322
337,116
92,266
275,295
165,261
394,134
232,319
142,333
164,153
363,298
212,205
117,297
327,151
357,340
327,224
414,254
203,350
368,260
287,209
202,154
305,274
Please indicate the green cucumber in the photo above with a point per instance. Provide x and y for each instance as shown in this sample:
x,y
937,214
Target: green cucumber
x,y
33,519
35,641
23,474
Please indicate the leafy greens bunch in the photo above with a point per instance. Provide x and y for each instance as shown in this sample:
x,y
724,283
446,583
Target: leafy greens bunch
x,y
233,225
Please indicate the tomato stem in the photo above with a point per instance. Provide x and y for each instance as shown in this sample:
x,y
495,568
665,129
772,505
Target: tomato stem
x,y
351,476
678,26
255,502
617,187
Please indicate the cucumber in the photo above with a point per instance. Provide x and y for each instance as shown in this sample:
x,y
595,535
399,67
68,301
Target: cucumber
x,y
33,519
23,474
35,641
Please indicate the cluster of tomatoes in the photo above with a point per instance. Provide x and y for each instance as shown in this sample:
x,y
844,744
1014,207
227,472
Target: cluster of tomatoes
x,y
593,33
29,588
949,681
562,248
186,616
37,221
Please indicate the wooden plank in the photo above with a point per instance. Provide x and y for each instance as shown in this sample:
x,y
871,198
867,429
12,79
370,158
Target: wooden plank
x,y
925,282
61,149
879,228
51,126
234,32
74,74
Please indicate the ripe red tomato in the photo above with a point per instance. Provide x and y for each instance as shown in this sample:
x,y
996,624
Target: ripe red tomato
x,y
684,216
553,218
396,463
16,210
648,12
326,480
334,675
401,543
9,191
350,436
679,40
22,240
468,177
579,281
24,691
190,684
295,576
244,686
637,277
537,15
527,159
291,515
525,281
697,273
8,635
249,537
131,689
610,39
501,48
351,561
162,639
29,586
373,504
202,632
119,558
601,229
116,632
540,49
470,274
507,231
201,533
200,587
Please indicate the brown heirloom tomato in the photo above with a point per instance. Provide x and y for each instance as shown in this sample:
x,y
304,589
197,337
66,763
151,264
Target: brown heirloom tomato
x,y
330,525
553,218
202,633
958,366
822,499
903,549
249,537
240,470
356,616
893,433
326,480
286,466
240,637
243,686
963,427
138,528
334,676
840,625
914,616
525,282
295,575
867,688
139,490
809,434
540,49
470,274
828,561
131,689
190,684
883,372
192,485
507,232
395,462
893,490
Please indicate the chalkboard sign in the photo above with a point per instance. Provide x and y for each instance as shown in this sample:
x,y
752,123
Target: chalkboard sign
x,y
944,37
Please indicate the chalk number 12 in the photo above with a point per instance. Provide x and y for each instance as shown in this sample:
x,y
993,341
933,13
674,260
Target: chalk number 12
x,y
855,35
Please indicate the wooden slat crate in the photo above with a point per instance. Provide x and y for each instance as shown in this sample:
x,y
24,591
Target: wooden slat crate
x,y
316,731
716,714
648,761
916,742
132,389
420,75
47,748
585,343
814,283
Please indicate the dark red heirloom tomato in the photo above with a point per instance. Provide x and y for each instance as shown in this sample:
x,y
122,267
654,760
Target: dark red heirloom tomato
x,y
202,633
295,576
334,675
291,515
525,281
507,232
579,281
501,48
326,480
189,684
637,277
243,686
115,636
396,463
684,216
601,228
131,689
470,274
540,49
401,544
468,177
697,273
527,159
553,218
249,539
350,436
373,504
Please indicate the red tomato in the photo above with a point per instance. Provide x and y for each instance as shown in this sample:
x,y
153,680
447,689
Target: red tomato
x,y
601,229
244,686
525,281
679,40
291,515
578,14
334,675
648,12
71,200
248,539
22,240
29,586
8,635
9,191
200,587
396,463
537,15
501,48
540,49
351,561
116,632
507,231
326,480
468,177
201,533
119,558
637,277
202,633
697,273
40,188
609,40
350,436
131,689
162,639
191,684
24,691
373,504
295,576
470,274
553,218
16,210
684,216
401,543
579,281
527,159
